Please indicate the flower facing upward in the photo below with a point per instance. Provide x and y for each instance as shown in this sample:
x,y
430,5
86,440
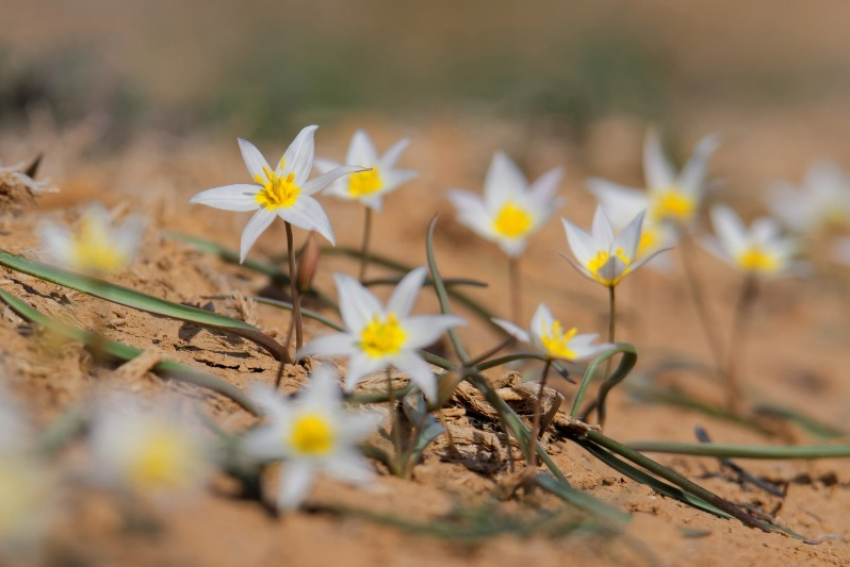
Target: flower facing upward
x,y
822,201
371,185
549,337
760,250
96,248
311,434
284,191
378,337
511,210
670,197
603,256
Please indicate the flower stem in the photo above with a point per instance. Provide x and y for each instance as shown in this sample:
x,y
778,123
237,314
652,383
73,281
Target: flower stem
x,y
612,324
703,314
293,290
538,409
740,326
516,289
395,425
364,248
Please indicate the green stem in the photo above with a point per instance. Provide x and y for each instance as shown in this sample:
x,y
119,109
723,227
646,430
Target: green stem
x,y
515,289
732,451
535,427
293,290
442,295
364,248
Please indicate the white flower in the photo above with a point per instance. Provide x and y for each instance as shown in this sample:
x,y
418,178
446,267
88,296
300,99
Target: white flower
x,y
670,196
823,200
548,336
603,256
96,248
511,210
148,452
371,185
378,337
313,433
284,191
760,250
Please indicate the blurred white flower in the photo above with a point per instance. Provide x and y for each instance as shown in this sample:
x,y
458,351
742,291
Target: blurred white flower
x,y
511,210
371,185
822,201
284,191
377,337
96,247
670,197
15,174
602,255
148,452
313,433
760,250
549,337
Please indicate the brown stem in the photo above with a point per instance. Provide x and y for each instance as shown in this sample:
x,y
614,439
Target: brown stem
x,y
737,338
515,290
706,322
293,290
612,325
364,248
538,408
395,425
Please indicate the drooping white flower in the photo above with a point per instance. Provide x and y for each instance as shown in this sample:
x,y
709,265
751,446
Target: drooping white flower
x,y
670,196
149,452
311,434
602,255
284,191
823,199
378,337
549,337
760,250
371,185
511,210
96,247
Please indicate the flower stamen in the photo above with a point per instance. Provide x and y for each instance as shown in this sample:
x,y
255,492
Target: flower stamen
x,y
512,221
312,435
382,337
278,190
365,183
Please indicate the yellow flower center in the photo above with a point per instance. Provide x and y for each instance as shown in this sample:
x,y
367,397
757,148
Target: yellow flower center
x,y
93,252
162,459
555,340
312,435
649,241
672,205
381,338
364,183
595,264
512,221
278,191
756,260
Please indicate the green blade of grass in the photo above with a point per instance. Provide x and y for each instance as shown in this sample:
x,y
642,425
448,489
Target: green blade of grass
x,y
142,301
627,362
733,451
124,353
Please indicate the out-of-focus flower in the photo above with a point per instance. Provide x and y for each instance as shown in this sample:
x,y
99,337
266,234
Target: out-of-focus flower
x,y
760,250
670,197
602,255
312,434
11,175
96,247
378,337
511,210
284,191
548,336
371,185
822,201
151,452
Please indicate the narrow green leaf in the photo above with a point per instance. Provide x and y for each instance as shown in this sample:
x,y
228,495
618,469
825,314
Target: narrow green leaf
x,y
732,451
442,295
627,362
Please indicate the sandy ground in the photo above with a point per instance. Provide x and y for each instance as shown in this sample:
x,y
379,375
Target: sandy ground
x,y
796,353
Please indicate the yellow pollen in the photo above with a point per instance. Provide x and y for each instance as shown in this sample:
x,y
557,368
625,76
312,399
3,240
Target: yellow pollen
x,y
756,260
93,252
161,460
364,183
672,205
278,190
312,435
381,338
512,221
555,340
649,241
602,257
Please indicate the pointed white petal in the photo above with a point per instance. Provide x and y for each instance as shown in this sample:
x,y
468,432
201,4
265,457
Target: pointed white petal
x,y
394,178
405,294
271,404
322,392
265,443
601,230
629,239
513,330
326,179
361,151
587,351
541,321
294,485
255,227
578,267
351,467
729,229
390,157
504,181
56,242
473,213
763,231
373,202
325,165
298,157
308,214
240,197
335,344
644,259
581,244
423,330
621,203
360,365
692,178
658,171
714,246
611,270
543,190
419,372
354,427
356,304
254,160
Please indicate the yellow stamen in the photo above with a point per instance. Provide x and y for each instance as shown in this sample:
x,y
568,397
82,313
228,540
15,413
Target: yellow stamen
x,y
364,183
555,340
512,221
649,241
312,434
161,459
756,260
278,191
672,205
93,251
381,338
598,262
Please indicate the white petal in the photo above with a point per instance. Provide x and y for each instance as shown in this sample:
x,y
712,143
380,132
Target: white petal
x,y
658,171
270,402
254,160
717,249
693,174
325,165
513,330
513,247
405,294
584,352
240,197
541,321
394,178
129,235
763,231
419,372
322,391
629,239
351,467
308,214
621,203
56,242
299,155
335,344
644,259
582,340
360,365
361,151
295,482
356,426
504,181
265,443
356,304
579,267
611,270
423,330
326,179
581,244
601,230
390,157
729,229
255,227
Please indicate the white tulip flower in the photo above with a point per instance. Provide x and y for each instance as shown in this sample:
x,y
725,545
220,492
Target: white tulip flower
x,y
312,433
511,210
822,201
378,337
283,192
